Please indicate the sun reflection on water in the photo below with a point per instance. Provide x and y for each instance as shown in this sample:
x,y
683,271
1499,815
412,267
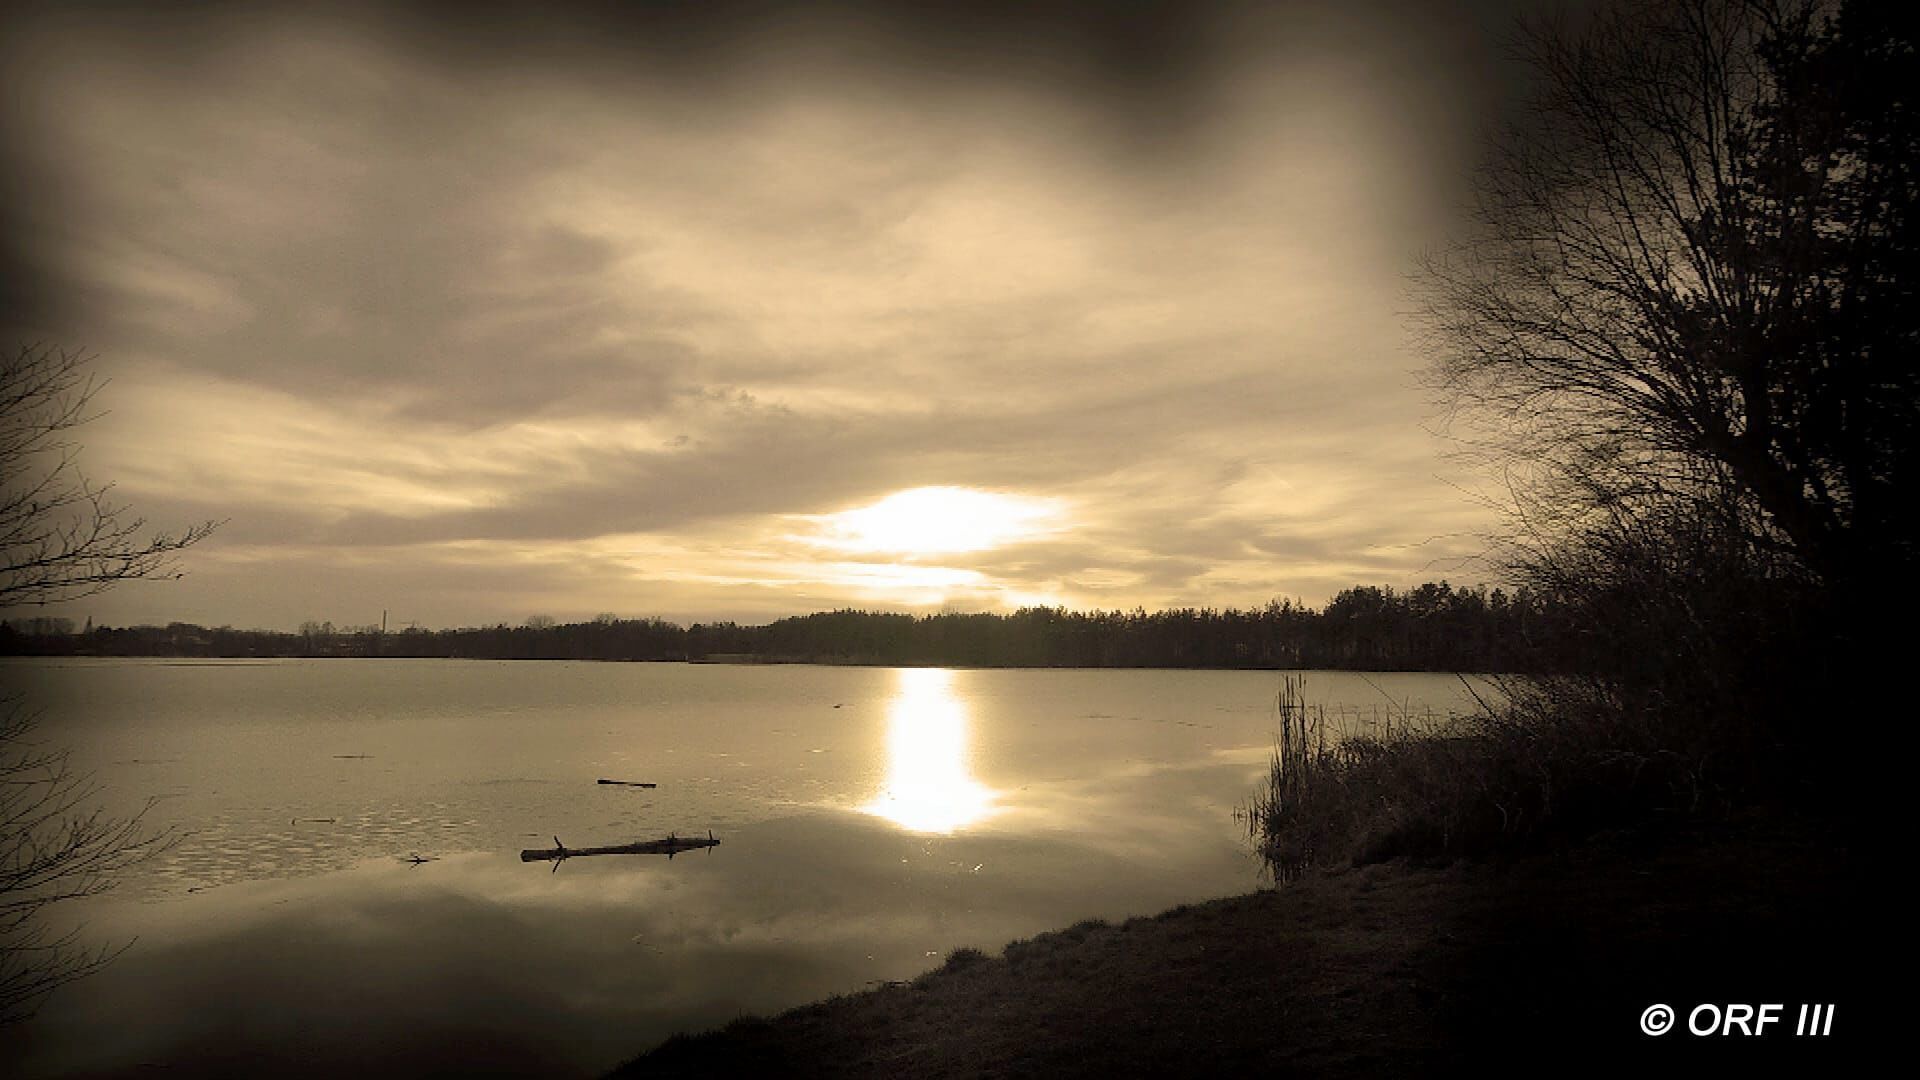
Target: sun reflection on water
x,y
930,787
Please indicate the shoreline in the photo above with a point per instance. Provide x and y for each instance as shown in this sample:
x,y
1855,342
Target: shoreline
x,y
1391,968
822,662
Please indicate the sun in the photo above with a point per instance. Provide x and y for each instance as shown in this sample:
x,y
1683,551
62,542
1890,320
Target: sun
x,y
937,520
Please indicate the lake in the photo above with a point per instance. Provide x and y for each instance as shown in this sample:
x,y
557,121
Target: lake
x,y
871,821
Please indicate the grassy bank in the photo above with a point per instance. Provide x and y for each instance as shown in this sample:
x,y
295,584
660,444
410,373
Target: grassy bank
x,y
1537,964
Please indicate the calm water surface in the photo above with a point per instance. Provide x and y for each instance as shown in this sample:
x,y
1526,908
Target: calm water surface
x,y
871,820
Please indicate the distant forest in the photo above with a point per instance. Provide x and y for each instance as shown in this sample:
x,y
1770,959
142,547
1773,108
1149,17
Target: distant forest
x,y
1435,627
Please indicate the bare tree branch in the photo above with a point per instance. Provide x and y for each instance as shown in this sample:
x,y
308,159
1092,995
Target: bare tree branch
x,y
1690,278
61,538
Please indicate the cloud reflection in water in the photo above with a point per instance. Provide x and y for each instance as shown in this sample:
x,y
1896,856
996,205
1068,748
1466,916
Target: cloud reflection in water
x,y
930,787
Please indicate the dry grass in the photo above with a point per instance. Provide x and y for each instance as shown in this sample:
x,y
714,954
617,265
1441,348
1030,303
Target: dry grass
x,y
1554,760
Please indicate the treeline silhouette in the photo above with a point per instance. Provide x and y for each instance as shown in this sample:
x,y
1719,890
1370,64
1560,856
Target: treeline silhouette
x,y
1435,627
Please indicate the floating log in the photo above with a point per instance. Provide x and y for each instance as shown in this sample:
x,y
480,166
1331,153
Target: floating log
x,y
669,847
628,783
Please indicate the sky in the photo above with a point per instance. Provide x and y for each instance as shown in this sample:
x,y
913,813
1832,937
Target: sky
x,y
734,311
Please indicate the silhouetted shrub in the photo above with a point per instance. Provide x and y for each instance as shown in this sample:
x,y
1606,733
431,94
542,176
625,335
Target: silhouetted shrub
x,y
1680,697
964,957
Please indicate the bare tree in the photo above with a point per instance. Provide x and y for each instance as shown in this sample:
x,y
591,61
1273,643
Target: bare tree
x,y
1692,278
56,845
61,535
61,538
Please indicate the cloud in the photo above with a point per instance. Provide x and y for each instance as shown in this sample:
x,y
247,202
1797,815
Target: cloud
x,y
456,314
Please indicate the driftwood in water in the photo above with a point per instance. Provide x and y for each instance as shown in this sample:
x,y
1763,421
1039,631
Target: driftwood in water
x,y
669,847
628,783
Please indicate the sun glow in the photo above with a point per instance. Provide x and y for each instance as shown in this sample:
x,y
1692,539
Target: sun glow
x,y
936,520
930,787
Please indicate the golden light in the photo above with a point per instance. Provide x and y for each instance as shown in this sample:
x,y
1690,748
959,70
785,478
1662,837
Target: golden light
x,y
930,786
936,520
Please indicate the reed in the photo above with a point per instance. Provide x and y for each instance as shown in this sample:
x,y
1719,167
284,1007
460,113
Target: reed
x,y
1550,760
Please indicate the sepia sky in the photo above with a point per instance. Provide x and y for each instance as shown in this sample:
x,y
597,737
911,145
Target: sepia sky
x,y
744,310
